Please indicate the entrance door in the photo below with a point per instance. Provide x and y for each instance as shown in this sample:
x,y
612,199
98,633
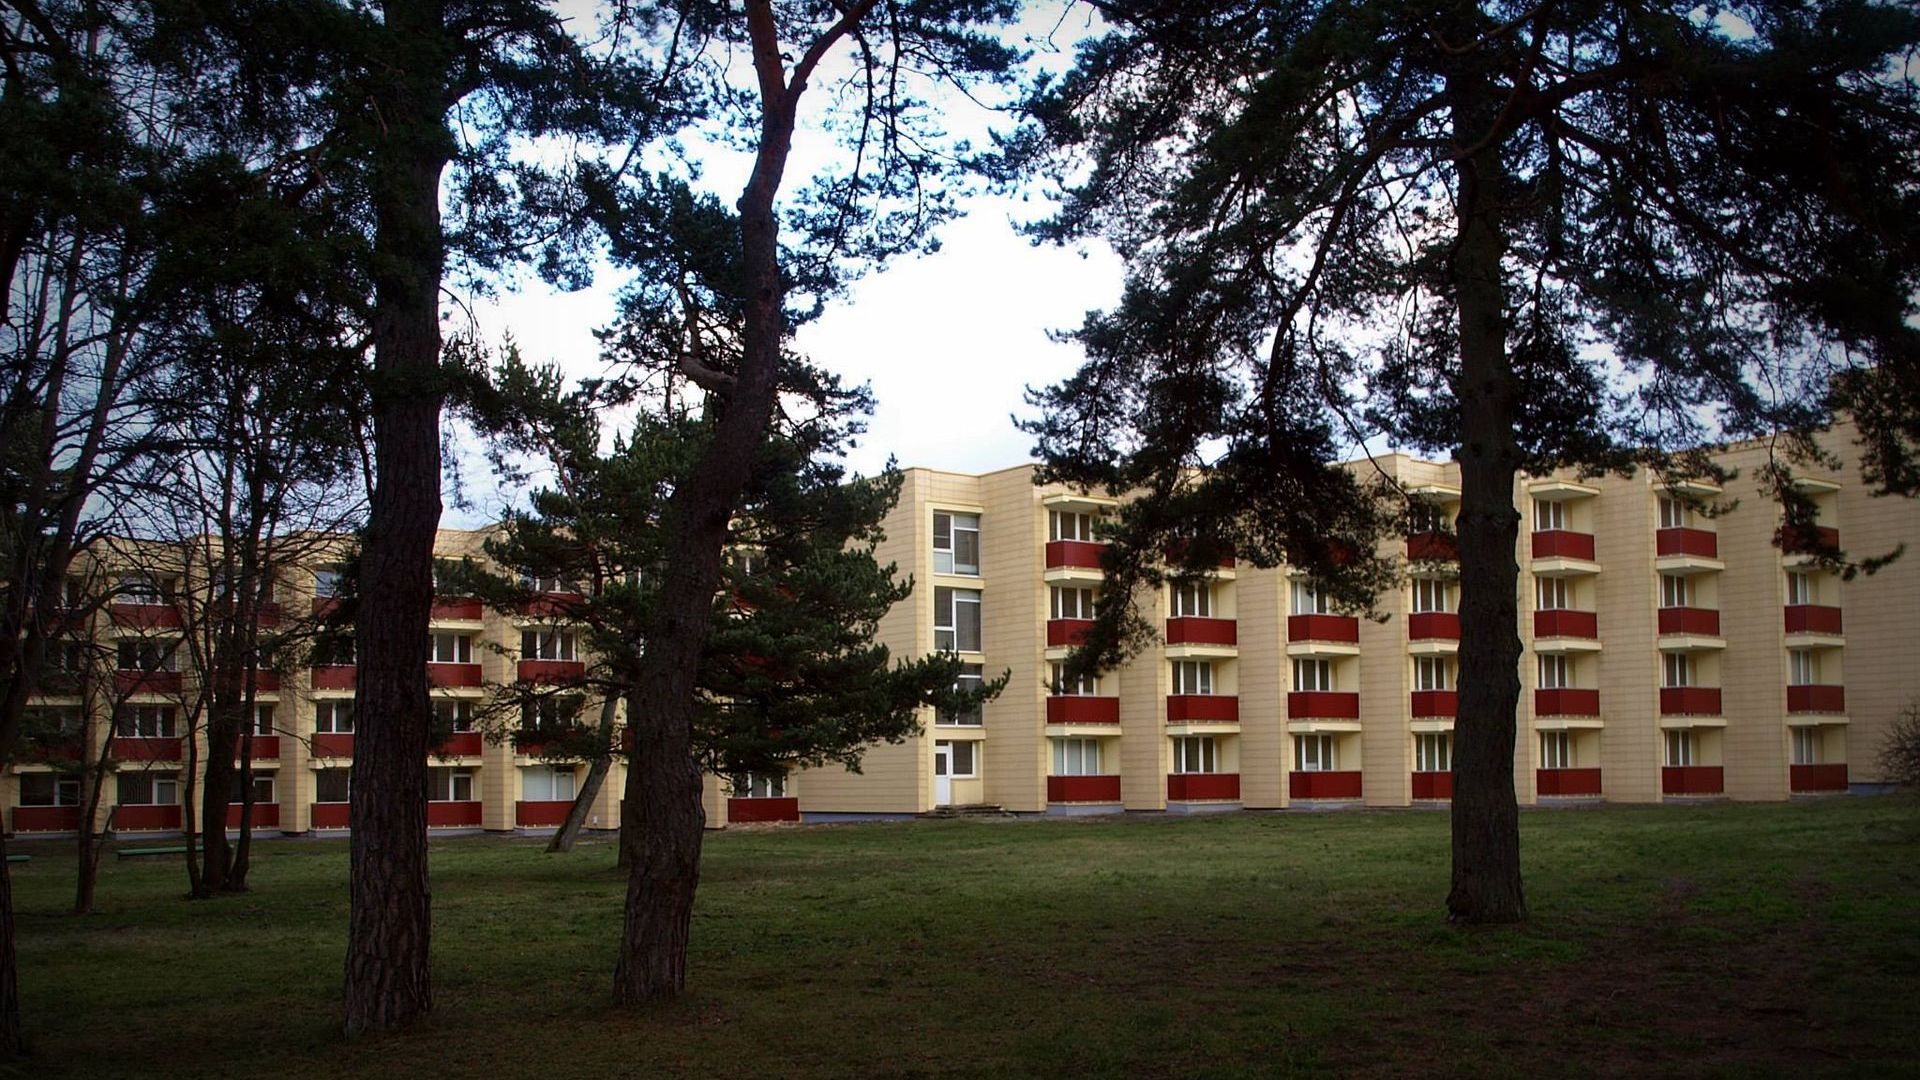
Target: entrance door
x,y
942,774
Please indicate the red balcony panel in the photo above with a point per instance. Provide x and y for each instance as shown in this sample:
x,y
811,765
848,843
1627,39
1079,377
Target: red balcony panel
x,y
1075,709
537,815
1690,620
1812,619
1566,702
146,682
1324,785
146,818
137,749
1433,626
462,608
1067,631
265,747
453,675
266,815
1689,701
1433,546
1193,787
334,677
1193,630
552,671
1567,781
327,744
750,810
1562,544
266,682
267,615
1075,553
330,815
553,604
1429,785
324,606
1805,778
1323,705
1083,789
1807,540
460,744
145,616
1176,553
1691,780
442,815
53,748
1700,542
1816,699
1336,628
1203,709
1431,703
46,819
1565,622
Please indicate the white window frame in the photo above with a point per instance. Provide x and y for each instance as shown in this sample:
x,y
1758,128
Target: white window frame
x,y
1677,671
1801,588
144,722
551,776
946,560
63,789
1676,591
1432,596
1556,750
1061,686
1308,599
1071,602
971,677
444,783
163,788
954,756
1806,745
1681,749
1675,513
1076,757
1556,672
457,713
1312,675
1315,753
1432,673
1549,515
1196,755
1192,677
757,785
947,604
1433,751
548,643
1190,600
1070,525
1552,594
449,647
1803,667
333,716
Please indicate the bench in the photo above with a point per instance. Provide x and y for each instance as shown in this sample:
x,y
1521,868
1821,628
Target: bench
x,y
142,852
19,858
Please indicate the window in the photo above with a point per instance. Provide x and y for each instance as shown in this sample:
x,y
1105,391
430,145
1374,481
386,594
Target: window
x,y
262,788
552,714
1072,603
1800,588
1678,669
51,721
1552,594
1312,675
147,655
1193,676
141,589
333,650
956,620
972,677
333,717
333,785
1313,753
263,720
545,583
1432,673
452,716
1195,754
760,785
956,543
49,789
1806,746
449,785
1425,517
1307,599
1556,750
965,761
1549,514
1076,757
143,721
1803,667
1556,672
1674,591
66,657
542,783
1066,525
1433,752
1431,594
1084,686
330,581
449,649
148,789
546,643
1192,600
1675,514
1680,748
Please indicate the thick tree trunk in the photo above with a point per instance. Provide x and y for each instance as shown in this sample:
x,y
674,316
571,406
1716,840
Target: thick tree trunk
x,y
216,793
666,825
569,831
1486,817
388,982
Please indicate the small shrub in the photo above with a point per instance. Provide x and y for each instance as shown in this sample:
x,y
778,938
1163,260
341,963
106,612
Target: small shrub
x,y
1900,754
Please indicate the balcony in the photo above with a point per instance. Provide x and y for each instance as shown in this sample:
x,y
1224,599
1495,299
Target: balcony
x,y
1337,629
551,671
333,676
1078,709
332,744
1431,785
1074,554
541,814
1699,543
1433,626
265,747
128,683
451,814
1563,544
46,819
1807,539
1566,623
448,676
1813,619
1428,704
1203,709
136,748
1689,621
553,605
330,815
1433,547
1194,630
1063,633
1566,701
144,616
1816,699
1563,782
457,609
146,818
265,815
1083,789
1323,705
1324,785
750,810
1201,787
1692,780
1802,778
1689,701
460,744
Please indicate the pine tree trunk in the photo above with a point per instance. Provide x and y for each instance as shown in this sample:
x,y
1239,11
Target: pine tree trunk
x,y
569,831
664,818
216,793
1486,817
13,1036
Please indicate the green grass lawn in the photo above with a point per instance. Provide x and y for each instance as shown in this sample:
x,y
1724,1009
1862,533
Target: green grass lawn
x,y
1718,940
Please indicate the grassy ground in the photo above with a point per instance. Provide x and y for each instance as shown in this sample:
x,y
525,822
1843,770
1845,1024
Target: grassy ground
x,y
1716,940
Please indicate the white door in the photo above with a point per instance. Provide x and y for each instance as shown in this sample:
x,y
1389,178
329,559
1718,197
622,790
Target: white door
x,y
942,774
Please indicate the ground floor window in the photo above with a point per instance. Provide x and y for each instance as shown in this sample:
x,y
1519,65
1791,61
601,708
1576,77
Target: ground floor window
x,y
1076,757
1556,750
760,785
1806,746
333,785
541,783
49,789
1313,753
1680,748
1433,752
449,785
965,761
148,789
1195,754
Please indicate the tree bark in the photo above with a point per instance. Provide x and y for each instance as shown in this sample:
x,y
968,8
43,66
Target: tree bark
x,y
1486,884
569,831
216,791
663,826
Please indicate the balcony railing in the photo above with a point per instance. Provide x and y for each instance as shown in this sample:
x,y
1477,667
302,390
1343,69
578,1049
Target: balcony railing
x,y
333,744
1816,699
458,609
1807,539
1567,781
1203,708
450,814
266,815
1435,703
1690,701
1563,544
1324,785
265,747
1566,623
542,813
1817,777
1702,622
1812,619
1433,547
1083,789
1692,780
334,676
1432,785
1067,632
1340,629
330,815
146,818
1323,705
1566,701
460,744
453,675
1082,709
749,810
139,748
551,671
1195,630
1078,554
1433,626
1698,542
1193,787
145,616
550,605
46,819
